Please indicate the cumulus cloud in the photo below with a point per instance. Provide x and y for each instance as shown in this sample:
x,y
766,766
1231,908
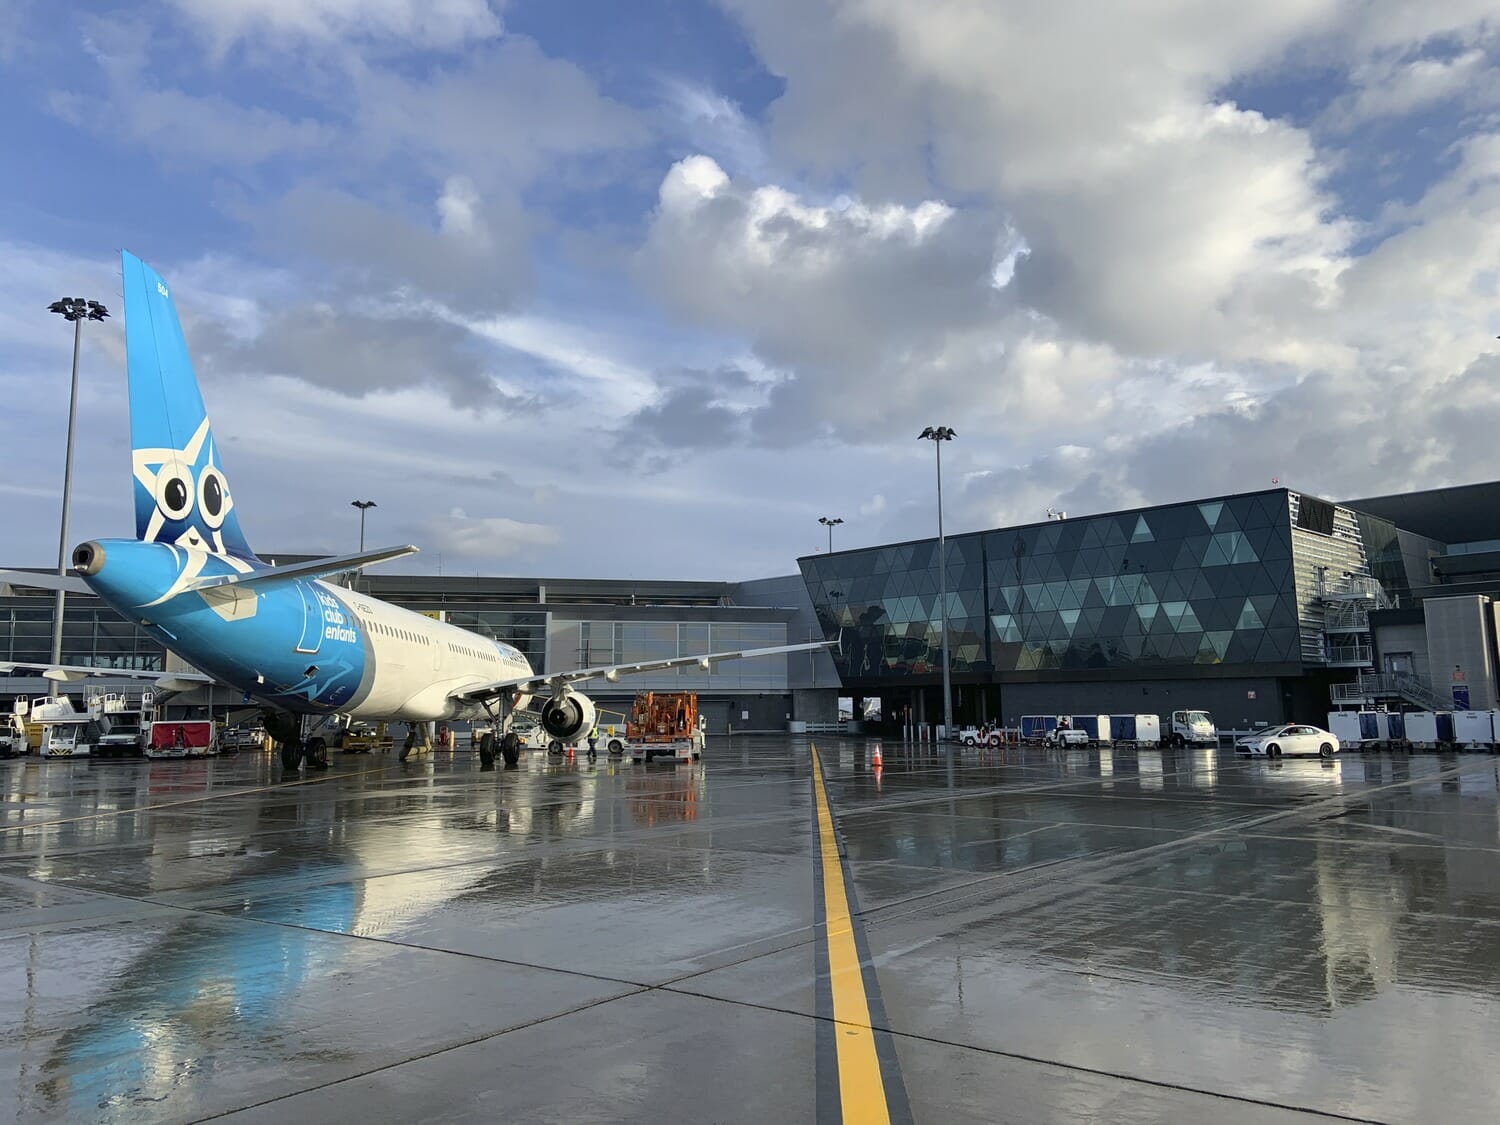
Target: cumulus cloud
x,y
421,23
1066,235
492,537
843,294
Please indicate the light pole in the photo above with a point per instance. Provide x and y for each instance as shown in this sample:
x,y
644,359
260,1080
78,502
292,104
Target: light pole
x,y
937,435
363,506
76,309
830,524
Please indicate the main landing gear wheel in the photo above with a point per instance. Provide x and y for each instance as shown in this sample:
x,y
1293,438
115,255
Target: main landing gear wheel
x,y
291,756
317,754
510,749
487,751
406,747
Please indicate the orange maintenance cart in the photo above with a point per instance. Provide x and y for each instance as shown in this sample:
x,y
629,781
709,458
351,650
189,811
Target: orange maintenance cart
x,y
662,724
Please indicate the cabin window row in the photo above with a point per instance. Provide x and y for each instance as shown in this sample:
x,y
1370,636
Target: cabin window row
x,y
464,650
399,634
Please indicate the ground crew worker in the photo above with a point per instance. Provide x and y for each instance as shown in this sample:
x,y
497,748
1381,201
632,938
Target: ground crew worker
x,y
593,738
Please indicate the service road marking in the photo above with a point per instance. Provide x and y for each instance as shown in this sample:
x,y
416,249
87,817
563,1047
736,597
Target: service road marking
x,y
862,1095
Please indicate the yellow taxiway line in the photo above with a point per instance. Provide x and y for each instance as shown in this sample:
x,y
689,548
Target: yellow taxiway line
x,y
861,1088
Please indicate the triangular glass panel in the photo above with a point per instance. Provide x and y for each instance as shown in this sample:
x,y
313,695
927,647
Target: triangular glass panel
x,y
1142,533
1249,617
1211,513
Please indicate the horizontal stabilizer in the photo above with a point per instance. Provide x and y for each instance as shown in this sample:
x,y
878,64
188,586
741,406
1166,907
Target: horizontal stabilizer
x,y
317,568
36,581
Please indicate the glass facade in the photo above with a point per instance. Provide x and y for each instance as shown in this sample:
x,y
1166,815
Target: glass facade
x,y
526,631
97,638
1181,585
583,644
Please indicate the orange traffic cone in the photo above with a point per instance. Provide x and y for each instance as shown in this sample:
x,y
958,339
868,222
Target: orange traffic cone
x,y
875,760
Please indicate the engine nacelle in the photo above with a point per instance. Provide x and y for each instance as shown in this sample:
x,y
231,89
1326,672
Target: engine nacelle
x,y
567,717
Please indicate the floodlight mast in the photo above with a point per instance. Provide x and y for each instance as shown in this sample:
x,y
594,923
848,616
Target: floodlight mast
x,y
363,506
77,310
937,435
830,524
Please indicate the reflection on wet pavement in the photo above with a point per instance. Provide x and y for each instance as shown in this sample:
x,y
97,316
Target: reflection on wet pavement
x,y
1152,936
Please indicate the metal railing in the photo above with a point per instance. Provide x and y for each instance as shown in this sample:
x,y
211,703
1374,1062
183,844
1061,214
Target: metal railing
x,y
1361,587
1387,685
1358,656
1346,617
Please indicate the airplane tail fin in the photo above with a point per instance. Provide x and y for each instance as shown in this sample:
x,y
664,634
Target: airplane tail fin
x,y
181,493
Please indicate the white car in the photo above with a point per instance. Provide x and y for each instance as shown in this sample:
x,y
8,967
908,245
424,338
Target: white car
x,y
1290,738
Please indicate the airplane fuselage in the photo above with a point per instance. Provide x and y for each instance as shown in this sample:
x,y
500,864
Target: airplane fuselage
x,y
301,645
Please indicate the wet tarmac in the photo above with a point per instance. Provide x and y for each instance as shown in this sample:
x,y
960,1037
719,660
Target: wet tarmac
x,y
1126,937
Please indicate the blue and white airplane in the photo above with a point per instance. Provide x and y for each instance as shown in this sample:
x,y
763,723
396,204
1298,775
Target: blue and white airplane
x,y
307,649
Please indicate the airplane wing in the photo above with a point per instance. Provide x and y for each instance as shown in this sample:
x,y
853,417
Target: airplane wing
x,y
64,673
531,685
316,568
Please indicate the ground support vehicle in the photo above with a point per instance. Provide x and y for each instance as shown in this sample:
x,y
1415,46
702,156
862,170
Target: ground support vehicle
x,y
1066,735
1189,728
981,736
122,722
662,725
235,739
13,741
1290,739
363,737
55,728
182,738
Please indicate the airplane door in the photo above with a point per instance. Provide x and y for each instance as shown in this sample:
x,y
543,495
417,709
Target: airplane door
x,y
312,622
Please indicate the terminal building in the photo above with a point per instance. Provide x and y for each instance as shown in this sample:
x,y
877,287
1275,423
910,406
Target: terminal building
x,y
1257,607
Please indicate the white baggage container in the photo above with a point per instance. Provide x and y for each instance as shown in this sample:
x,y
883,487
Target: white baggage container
x,y
1357,728
1147,730
1474,728
1429,728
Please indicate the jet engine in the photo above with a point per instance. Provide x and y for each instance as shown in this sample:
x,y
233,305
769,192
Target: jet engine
x,y
567,717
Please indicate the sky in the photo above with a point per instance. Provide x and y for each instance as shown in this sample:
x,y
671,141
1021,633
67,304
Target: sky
x,y
576,288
